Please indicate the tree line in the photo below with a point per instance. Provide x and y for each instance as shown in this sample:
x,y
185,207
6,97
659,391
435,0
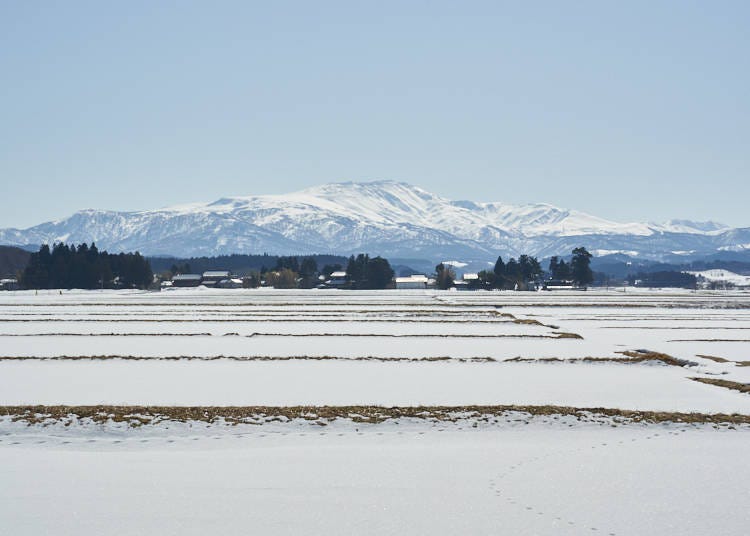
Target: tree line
x,y
365,273
362,273
243,264
85,267
523,272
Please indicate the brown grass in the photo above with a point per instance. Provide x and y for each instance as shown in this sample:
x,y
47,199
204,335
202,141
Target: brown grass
x,y
709,340
140,415
249,358
633,357
566,335
527,321
555,335
647,355
727,384
281,320
713,358
724,360
106,334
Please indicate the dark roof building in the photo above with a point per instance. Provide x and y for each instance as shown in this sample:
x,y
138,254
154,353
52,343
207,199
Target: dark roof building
x,y
186,280
212,277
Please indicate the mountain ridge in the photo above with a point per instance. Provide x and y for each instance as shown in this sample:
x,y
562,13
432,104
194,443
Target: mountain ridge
x,y
381,217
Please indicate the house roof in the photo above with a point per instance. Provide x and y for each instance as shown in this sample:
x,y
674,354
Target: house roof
x,y
217,273
338,274
412,279
186,277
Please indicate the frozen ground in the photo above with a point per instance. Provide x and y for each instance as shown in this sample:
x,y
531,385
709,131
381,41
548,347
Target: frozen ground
x,y
509,474
332,383
534,479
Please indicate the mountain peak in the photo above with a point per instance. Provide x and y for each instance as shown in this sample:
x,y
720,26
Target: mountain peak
x,y
384,217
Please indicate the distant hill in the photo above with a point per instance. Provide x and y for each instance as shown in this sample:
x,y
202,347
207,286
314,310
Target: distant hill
x,y
12,260
622,265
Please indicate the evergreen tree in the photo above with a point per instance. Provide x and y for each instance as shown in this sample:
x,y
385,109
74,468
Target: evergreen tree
x,y
530,267
580,267
445,276
500,273
356,270
291,263
308,270
513,274
553,267
487,279
379,273
366,273
85,267
563,271
499,267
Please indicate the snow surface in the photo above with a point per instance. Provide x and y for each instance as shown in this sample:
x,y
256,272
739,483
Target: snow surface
x,y
512,474
293,383
261,348
539,478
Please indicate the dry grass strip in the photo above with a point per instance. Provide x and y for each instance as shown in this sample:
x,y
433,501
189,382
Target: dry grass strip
x,y
427,359
633,357
282,320
526,321
727,384
106,334
724,360
710,340
555,335
648,355
140,415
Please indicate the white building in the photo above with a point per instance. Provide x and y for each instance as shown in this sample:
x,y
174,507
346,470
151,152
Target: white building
x,y
336,280
412,282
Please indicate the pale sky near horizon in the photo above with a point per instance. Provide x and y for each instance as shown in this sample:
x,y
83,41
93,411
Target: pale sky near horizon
x,y
630,111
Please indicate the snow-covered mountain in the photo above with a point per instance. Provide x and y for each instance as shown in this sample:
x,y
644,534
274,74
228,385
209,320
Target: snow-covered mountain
x,y
383,217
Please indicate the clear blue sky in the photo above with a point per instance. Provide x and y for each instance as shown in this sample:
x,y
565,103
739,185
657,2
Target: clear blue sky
x,y
628,110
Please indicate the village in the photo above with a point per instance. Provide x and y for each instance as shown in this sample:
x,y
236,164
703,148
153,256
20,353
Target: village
x,y
225,279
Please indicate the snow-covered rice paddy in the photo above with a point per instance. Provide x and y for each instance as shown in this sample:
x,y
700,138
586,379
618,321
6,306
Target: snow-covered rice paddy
x,y
535,470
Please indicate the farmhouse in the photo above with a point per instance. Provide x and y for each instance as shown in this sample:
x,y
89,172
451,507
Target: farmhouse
x,y
230,283
417,281
336,280
186,280
9,284
212,277
469,281
559,284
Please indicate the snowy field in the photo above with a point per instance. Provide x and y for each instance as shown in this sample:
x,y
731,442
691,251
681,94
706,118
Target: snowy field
x,y
555,448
